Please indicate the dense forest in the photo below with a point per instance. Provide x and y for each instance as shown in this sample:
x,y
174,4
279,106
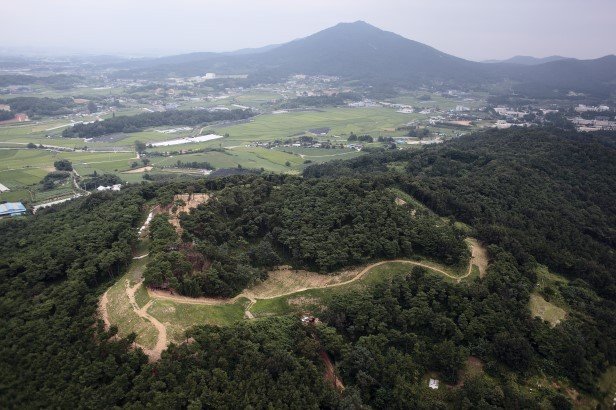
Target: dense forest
x,y
525,194
6,115
60,81
136,123
34,106
319,225
546,195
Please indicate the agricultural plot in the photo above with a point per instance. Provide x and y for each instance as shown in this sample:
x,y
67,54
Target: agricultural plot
x,y
269,160
22,170
256,98
319,155
342,121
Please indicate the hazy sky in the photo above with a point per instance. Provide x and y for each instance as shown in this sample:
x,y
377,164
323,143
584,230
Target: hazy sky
x,y
472,29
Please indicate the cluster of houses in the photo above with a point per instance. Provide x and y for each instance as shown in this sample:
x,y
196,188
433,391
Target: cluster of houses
x,y
304,143
585,108
596,124
19,117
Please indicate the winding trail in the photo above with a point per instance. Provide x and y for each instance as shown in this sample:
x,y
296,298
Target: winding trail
x,y
161,341
102,307
478,258
476,249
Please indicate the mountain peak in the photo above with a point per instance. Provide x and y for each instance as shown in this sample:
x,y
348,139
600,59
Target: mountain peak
x,y
354,26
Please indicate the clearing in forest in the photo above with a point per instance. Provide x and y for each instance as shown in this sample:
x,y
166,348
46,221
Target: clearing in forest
x,y
159,318
545,310
285,280
184,203
479,256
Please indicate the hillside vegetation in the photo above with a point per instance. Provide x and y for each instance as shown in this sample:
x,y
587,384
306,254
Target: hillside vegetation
x,y
260,222
545,195
526,195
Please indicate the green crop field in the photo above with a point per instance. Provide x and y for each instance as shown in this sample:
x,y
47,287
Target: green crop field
x,y
247,157
22,169
342,121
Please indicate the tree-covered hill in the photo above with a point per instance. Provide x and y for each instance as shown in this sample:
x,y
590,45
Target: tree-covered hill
x,y
530,196
262,222
546,195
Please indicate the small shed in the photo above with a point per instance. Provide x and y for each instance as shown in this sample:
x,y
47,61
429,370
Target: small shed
x,y
433,384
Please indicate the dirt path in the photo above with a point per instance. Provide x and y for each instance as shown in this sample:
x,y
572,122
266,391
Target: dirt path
x,y
102,307
330,372
479,257
158,294
161,341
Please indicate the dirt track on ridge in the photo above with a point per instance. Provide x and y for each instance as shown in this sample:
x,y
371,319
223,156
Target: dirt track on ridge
x,y
161,341
478,258
476,250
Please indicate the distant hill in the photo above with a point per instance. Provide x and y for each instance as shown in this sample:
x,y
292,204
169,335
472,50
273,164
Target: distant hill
x,y
528,60
597,77
364,53
257,50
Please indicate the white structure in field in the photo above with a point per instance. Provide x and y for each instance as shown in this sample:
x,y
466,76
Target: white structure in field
x,y
433,384
187,140
116,187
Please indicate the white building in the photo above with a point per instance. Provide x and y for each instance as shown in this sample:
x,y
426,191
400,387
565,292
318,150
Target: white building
x,y
116,187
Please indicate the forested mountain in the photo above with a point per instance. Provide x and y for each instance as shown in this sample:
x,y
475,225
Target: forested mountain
x,y
546,194
267,221
543,195
359,51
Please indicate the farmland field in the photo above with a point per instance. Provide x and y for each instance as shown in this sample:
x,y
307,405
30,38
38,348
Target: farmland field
x,y
342,121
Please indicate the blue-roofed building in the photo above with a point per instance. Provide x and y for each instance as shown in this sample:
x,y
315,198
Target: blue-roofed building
x,y
12,209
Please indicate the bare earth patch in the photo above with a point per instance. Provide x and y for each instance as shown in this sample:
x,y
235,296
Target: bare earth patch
x,y
286,280
138,170
479,256
541,308
190,201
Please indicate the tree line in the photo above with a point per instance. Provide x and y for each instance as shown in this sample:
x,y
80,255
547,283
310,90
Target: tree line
x,y
139,122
